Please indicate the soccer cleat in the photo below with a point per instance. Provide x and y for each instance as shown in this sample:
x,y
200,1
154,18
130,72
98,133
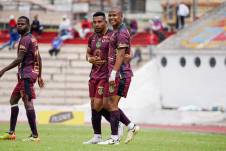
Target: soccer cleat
x,y
94,140
8,136
31,138
120,130
109,141
131,133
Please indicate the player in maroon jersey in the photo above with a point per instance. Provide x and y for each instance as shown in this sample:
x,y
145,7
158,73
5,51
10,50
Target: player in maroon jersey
x,y
97,55
120,74
29,70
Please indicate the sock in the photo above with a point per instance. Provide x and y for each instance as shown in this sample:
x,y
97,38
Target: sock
x,y
96,121
32,122
123,118
131,125
106,114
114,121
13,117
97,135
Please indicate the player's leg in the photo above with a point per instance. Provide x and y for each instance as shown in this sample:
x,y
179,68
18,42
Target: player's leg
x,y
132,128
109,105
96,115
96,121
28,95
10,135
96,95
114,121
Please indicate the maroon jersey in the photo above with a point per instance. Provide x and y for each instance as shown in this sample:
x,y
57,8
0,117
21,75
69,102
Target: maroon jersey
x,y
99,45
120,39
29,67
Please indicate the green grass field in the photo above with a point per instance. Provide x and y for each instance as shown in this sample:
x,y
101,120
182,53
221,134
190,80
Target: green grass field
x,y
70,138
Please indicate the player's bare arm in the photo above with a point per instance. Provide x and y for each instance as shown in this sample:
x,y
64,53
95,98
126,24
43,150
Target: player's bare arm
x,y
120,55
40,79
15,63
128,58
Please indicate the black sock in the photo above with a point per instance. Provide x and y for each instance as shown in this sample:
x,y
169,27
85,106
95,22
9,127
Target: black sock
x,y
114,121
123,118
32,122
106,114
96,121
13,118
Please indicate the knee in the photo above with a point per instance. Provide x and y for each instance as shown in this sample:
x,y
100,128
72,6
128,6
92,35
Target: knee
x,y
29,107
12,102
109,106
97,107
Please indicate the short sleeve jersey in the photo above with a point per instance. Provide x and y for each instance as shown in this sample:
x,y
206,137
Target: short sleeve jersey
x,y
120,39
29,67
99,45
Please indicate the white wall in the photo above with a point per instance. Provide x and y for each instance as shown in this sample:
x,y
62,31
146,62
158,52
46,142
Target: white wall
x,y
189,85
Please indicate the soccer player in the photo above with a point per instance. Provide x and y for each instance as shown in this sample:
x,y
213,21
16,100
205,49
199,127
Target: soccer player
x,y
29,70
120,77
97,55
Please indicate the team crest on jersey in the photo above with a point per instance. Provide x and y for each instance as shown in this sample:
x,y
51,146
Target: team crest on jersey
x,y
100,90
111,88
98,44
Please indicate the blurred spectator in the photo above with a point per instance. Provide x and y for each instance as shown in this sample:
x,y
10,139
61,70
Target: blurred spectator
x,y
182,12
156,24
86,27
133,26
157,28
137,58
12,23
153,40
56,45
14,36
36,27
65,30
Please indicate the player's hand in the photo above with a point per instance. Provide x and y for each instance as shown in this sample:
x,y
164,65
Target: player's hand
x,y
41,82
1,73
100,62
91,60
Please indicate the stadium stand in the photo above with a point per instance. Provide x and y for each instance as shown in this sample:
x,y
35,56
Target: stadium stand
x,y
66,75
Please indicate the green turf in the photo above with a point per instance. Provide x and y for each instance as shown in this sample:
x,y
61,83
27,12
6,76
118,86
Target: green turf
x,y
70,138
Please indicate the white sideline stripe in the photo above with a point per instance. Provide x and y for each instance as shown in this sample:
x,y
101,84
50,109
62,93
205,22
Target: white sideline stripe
x,y
14,105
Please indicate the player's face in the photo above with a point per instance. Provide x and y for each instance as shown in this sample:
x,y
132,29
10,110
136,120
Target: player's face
x,y
99,24
115,18
22,26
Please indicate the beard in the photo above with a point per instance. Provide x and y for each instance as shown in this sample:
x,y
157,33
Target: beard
x,y
22,31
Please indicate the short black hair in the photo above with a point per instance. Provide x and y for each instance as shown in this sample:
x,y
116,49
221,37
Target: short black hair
x,y
26,18
99,14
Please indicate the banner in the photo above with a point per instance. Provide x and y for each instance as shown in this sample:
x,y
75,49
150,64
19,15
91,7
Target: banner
x,y
61,117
